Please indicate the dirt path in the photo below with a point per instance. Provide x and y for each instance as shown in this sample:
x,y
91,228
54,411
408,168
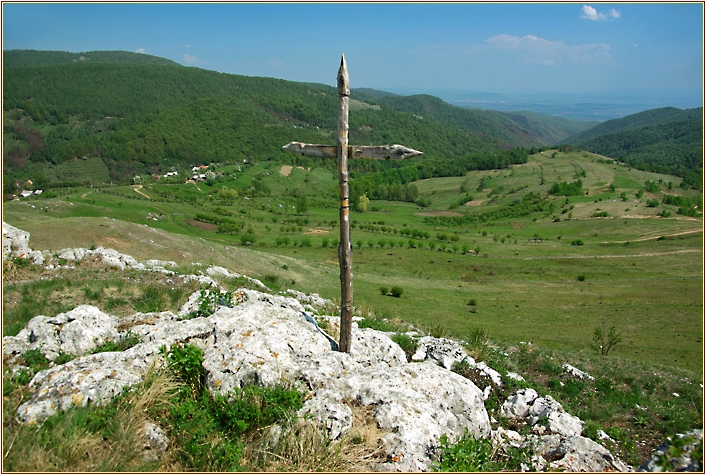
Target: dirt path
x,y
84,195
654,237
641,254
195,184
137,189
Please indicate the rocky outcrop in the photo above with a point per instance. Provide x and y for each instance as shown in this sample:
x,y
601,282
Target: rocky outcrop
x,y
15,243
262,339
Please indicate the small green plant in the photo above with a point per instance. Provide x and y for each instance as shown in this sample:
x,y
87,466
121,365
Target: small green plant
x,y
407,343
470,454
186,363
581,278
64,358
577,242
384,290
125,341
35,359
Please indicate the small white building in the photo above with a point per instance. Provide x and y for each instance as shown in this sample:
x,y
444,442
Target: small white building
x,y
26,194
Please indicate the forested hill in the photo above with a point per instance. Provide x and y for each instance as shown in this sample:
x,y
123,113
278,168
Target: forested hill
x,y
23,57
512,129
146,118
650,117
666,140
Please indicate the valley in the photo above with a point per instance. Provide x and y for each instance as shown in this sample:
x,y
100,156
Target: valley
x,y
547,276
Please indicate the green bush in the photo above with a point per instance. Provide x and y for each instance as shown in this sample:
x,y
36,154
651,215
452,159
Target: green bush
x,y
384,290
396,291
186,363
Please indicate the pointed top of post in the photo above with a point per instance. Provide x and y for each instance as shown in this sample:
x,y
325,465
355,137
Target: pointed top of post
x,y
343,83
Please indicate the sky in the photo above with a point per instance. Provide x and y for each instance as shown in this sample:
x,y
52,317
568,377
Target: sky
x,y
601,48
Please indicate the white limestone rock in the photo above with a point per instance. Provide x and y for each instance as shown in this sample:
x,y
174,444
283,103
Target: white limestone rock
x,y
15,242
442,351
577,373
76,332
154,442
563,423
517,405
490,373
580,454
91,379
680,460
326,408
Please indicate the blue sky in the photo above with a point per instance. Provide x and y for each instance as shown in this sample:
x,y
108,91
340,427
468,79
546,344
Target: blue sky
x,y
505,48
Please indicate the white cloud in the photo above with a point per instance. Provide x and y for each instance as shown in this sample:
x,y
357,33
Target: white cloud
x,y
187,46
191,59
276,63
140,50
535,50
590,13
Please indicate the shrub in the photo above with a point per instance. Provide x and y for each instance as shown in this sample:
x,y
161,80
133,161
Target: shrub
x,y
577,242
581,278
186,363
384,290
396,291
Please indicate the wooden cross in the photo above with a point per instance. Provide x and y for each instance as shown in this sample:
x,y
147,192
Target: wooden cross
x,y
342,151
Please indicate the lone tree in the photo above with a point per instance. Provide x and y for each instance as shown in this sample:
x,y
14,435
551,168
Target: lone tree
x,y
605,338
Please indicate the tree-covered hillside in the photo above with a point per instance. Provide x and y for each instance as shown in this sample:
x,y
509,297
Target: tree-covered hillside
x,y
663,115
666,140
17,57
510,129
143,118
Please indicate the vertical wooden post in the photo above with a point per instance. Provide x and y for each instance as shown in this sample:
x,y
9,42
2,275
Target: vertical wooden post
x,y
344,251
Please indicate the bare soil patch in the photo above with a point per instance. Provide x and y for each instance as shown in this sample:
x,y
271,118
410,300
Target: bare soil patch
x,y
285,170
475,203
316,231
201,225
439,213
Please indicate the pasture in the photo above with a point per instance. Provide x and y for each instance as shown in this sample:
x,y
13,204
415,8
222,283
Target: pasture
x,y
549,276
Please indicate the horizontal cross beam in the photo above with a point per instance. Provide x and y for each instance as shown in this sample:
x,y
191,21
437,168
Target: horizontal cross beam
x,y
374,152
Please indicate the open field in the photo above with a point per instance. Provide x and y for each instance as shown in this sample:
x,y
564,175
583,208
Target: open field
x,y
531,280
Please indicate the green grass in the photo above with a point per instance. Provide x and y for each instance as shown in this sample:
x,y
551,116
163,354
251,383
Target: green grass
x,y
526,275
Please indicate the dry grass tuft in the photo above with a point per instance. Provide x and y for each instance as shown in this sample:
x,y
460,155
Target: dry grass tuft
x,y
304,447
67,444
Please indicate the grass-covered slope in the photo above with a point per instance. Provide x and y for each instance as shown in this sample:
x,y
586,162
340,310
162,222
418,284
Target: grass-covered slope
x,y
666,140
523,276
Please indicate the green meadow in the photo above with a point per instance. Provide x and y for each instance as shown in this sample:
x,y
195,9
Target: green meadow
x,y
468,260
